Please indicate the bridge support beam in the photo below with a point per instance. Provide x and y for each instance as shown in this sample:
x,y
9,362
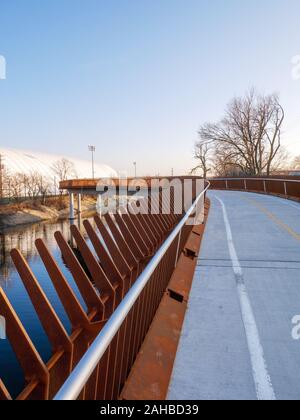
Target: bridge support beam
x,y
79,208
99,205
71,204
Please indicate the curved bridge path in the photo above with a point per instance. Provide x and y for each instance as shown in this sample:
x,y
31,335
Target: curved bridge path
x,y
237,341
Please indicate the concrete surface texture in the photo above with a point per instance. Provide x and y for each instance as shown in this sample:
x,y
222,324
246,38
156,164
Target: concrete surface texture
x,y
237,342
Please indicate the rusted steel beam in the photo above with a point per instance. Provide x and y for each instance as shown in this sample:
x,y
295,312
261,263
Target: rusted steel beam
x,y
282,186
136,264
114,251
60,341
150,376
140,227
112,383
145,183
151,373
108,265
61,363
84,330
152,223
146,228
132,238
105,288
120,240
73,308
141,240
118,251
129,237
88,292
135,319
34,369
4,394
108,296
118,282
53,327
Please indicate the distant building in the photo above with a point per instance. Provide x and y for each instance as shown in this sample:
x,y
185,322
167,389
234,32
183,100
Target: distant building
x,y
13,162
286,172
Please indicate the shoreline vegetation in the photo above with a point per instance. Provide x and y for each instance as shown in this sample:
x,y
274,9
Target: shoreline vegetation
x,y
30,212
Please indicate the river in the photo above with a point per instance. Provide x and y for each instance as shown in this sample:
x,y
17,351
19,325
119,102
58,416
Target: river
x,y
24,238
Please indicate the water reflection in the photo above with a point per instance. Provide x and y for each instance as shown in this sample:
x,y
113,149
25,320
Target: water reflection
x,y
24,238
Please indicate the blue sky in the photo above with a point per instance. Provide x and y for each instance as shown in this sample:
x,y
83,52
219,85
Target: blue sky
x,y
138,77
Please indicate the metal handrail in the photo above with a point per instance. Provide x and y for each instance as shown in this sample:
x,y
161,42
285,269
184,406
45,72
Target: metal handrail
x,y
85,368
255,179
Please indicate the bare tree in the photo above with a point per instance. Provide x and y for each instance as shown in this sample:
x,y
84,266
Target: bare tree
x,y
16,187
223,164
32,183
203,156
32,186
4,179
249,136
45,188
64,169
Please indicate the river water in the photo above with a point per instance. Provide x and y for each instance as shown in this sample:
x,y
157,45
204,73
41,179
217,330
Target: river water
x,y
23,238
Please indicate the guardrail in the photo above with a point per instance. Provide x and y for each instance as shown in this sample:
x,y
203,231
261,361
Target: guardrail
x,y
146,292
121,275
286,187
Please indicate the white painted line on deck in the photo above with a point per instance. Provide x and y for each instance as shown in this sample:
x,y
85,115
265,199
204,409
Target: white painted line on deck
x,y
262,379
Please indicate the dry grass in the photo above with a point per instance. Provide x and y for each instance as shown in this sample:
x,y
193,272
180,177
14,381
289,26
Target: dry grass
x,y
53,203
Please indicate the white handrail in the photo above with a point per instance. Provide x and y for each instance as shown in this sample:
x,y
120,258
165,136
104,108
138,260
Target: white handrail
x,y
85,368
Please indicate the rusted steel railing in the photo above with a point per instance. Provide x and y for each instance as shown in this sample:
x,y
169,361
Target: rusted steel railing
x,y
287,187
143,298
122,275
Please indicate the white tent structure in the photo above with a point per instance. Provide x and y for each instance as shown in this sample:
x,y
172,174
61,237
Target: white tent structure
x,y
26,163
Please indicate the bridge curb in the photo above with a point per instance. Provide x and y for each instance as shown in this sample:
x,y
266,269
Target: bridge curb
x,y
151,374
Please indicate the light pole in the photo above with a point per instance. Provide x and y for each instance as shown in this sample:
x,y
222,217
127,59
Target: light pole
x,y
92,149
135,173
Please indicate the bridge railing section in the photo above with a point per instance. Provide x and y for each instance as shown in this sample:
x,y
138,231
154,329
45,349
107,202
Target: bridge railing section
x,y
286,187
121,272
131,320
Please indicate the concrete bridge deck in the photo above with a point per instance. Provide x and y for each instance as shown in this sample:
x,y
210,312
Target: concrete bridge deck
x,y
237,339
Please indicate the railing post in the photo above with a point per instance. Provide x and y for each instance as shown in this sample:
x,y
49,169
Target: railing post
x,y
71,201
265,186
100,204
79,203
178,246
285,189
245,184
226,182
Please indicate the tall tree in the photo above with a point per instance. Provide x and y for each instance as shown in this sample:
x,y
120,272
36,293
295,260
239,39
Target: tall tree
x,y
249,135
203,156
64,169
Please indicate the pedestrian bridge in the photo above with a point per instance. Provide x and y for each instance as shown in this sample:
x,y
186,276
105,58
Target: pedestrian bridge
x,y
238,341
152,317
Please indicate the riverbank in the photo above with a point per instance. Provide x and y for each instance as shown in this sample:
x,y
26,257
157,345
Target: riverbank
x,y
35,212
